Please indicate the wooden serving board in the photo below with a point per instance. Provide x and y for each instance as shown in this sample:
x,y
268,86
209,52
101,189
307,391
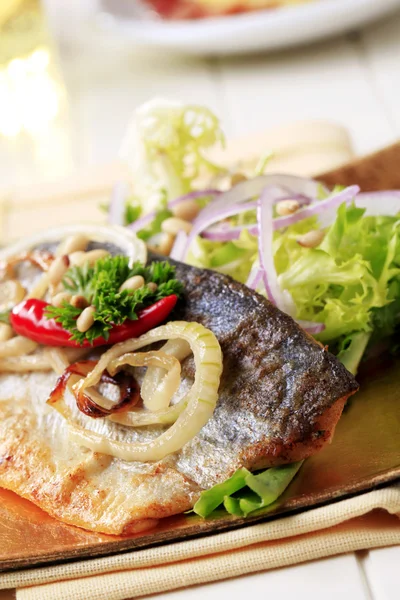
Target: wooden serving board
x,y
366,449
365,453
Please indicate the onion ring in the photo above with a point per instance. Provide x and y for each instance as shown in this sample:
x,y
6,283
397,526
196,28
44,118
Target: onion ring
x,y
129,390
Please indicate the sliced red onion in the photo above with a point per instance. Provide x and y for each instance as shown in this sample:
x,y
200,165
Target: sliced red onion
x,y
255,278
281,298
119,194
311,326
179,246
142,222
227,234
318,208
148,219
265,239
290,186
203,222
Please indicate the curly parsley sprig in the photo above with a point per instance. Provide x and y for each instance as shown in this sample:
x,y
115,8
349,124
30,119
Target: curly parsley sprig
x,y
100,285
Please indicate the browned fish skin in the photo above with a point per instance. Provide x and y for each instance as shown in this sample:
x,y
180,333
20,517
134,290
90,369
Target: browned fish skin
x,y
281,392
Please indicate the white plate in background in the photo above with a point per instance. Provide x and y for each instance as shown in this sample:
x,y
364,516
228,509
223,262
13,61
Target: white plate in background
x,y
248,32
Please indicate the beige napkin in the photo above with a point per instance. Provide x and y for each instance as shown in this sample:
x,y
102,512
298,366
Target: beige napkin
x,y
366,521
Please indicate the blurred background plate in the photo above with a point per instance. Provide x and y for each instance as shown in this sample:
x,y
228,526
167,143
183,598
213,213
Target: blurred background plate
x,y
259,30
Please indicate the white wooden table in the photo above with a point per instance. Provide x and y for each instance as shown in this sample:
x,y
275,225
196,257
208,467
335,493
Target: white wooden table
x,y
354,81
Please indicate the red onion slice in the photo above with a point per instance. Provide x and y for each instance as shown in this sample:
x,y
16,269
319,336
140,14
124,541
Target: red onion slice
x,y
228,234
281,298
202,223
311,326
255,278
290,186
179,246
320,208
265,239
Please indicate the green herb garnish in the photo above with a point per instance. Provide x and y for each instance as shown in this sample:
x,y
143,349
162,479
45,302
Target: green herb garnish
x,y
100,285
5,316
155,226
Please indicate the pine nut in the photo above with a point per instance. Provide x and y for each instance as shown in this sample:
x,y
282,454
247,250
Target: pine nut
x,y
59,299
6,332
73,243
152,286
132,284
95,255
285,208
17,346
7,271
11,293
79,301
311,239
77,258
238,178
165,246
58,268
85,319
187,210
173,225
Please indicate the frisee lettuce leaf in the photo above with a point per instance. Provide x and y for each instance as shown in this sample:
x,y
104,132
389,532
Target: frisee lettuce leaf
x,y
350,283
244,492
165,149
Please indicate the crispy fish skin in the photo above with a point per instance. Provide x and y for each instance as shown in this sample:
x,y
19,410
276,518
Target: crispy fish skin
x,y
281,392
280,398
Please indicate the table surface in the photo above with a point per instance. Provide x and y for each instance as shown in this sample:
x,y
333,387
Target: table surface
x,y
354,81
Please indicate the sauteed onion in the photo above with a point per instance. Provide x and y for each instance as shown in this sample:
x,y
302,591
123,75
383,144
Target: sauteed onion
x,y
197,406
86,402
153,381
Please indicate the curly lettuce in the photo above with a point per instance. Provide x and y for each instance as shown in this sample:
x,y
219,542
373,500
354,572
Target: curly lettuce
x,y
350,283
165,150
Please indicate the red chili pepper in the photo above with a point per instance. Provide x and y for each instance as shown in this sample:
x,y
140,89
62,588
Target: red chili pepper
x,y
28,319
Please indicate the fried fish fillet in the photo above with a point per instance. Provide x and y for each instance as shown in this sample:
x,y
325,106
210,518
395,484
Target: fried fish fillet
x,y
280,397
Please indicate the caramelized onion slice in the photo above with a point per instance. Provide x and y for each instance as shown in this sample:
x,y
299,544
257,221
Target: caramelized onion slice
x,y
129,390
143,418
25,364
164,392
200,400
161,394
154,380
38,258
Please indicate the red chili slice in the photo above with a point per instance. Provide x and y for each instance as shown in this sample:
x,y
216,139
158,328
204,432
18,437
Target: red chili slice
x,y
29,320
